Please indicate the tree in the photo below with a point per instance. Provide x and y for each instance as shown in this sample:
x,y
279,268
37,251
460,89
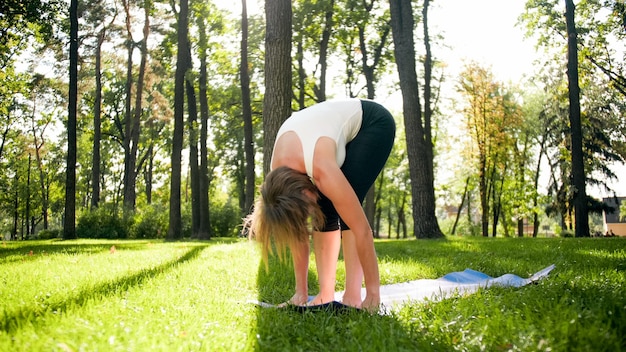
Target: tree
x,y
418,130
493,121
203,16
96,16
591,30
69,224
194,167
246,108
183,62
45,92
364,34
578,164
132,125
314,26
22,20
278,93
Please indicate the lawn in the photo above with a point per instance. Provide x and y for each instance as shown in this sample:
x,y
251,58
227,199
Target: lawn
x,y
97,295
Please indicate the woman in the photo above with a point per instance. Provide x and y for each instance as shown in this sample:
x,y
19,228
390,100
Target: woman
x,y
325,159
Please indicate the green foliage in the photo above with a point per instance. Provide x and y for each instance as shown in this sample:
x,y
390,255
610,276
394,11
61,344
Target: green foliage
x,y
49,234
151,221
103,222
225,219
22,20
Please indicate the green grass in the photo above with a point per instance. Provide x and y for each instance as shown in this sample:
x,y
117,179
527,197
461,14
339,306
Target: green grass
x,y
192,296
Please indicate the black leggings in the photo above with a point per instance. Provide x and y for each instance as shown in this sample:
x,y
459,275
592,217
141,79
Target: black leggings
x,y
366,155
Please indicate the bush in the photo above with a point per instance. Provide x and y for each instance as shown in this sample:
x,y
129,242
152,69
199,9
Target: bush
x,y
225,220
150,222
49,234
102,223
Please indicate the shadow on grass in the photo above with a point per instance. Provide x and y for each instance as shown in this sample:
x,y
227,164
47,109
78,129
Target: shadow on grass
x,y
325,330
29,250
12,321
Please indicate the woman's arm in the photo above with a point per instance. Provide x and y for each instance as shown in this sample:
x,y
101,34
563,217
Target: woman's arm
x,y
300,255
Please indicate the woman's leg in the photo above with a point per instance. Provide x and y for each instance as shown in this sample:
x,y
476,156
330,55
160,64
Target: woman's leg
x,y
354,271
326,246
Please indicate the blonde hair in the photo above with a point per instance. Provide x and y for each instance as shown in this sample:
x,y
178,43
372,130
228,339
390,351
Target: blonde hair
x,y
284,214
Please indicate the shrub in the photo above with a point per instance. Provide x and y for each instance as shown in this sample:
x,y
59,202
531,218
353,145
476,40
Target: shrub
x,y
150,222
225,220
48,234
102,223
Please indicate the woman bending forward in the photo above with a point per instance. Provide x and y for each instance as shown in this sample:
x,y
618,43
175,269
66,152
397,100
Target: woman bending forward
x,y
325,159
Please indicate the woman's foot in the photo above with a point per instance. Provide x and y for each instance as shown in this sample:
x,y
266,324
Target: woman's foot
x,y
317,300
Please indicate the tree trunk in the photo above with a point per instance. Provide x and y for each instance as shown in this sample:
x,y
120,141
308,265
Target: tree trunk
x,y
69,223
133,128
27,200
97,116
484,201
38,143
183,62
419,149
246,106
320,92
205,220
458,212
148,173
301,98
376,201
16,205
194,176
369,73
278,93
129,162
578,164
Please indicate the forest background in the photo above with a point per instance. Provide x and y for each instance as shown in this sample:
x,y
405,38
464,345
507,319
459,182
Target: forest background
x,y
501,150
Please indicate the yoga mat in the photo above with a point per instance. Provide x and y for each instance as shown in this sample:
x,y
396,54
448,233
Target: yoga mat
x,y
395,295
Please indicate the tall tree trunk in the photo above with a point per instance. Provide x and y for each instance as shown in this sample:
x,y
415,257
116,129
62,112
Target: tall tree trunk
x,y
183,62
369,72
247,113
578,164
194,176
42,176
484,192
419,149
148,173
278,92
69,223
97,116
536,188
38,143
301,97
320,92
5,133
27,200
133,128
205,220
129,163
16,205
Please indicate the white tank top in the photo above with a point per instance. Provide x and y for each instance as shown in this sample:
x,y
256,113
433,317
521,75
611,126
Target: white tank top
x,y
339,120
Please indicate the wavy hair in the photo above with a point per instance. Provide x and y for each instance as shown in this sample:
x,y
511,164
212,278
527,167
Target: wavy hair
x,y
284,214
